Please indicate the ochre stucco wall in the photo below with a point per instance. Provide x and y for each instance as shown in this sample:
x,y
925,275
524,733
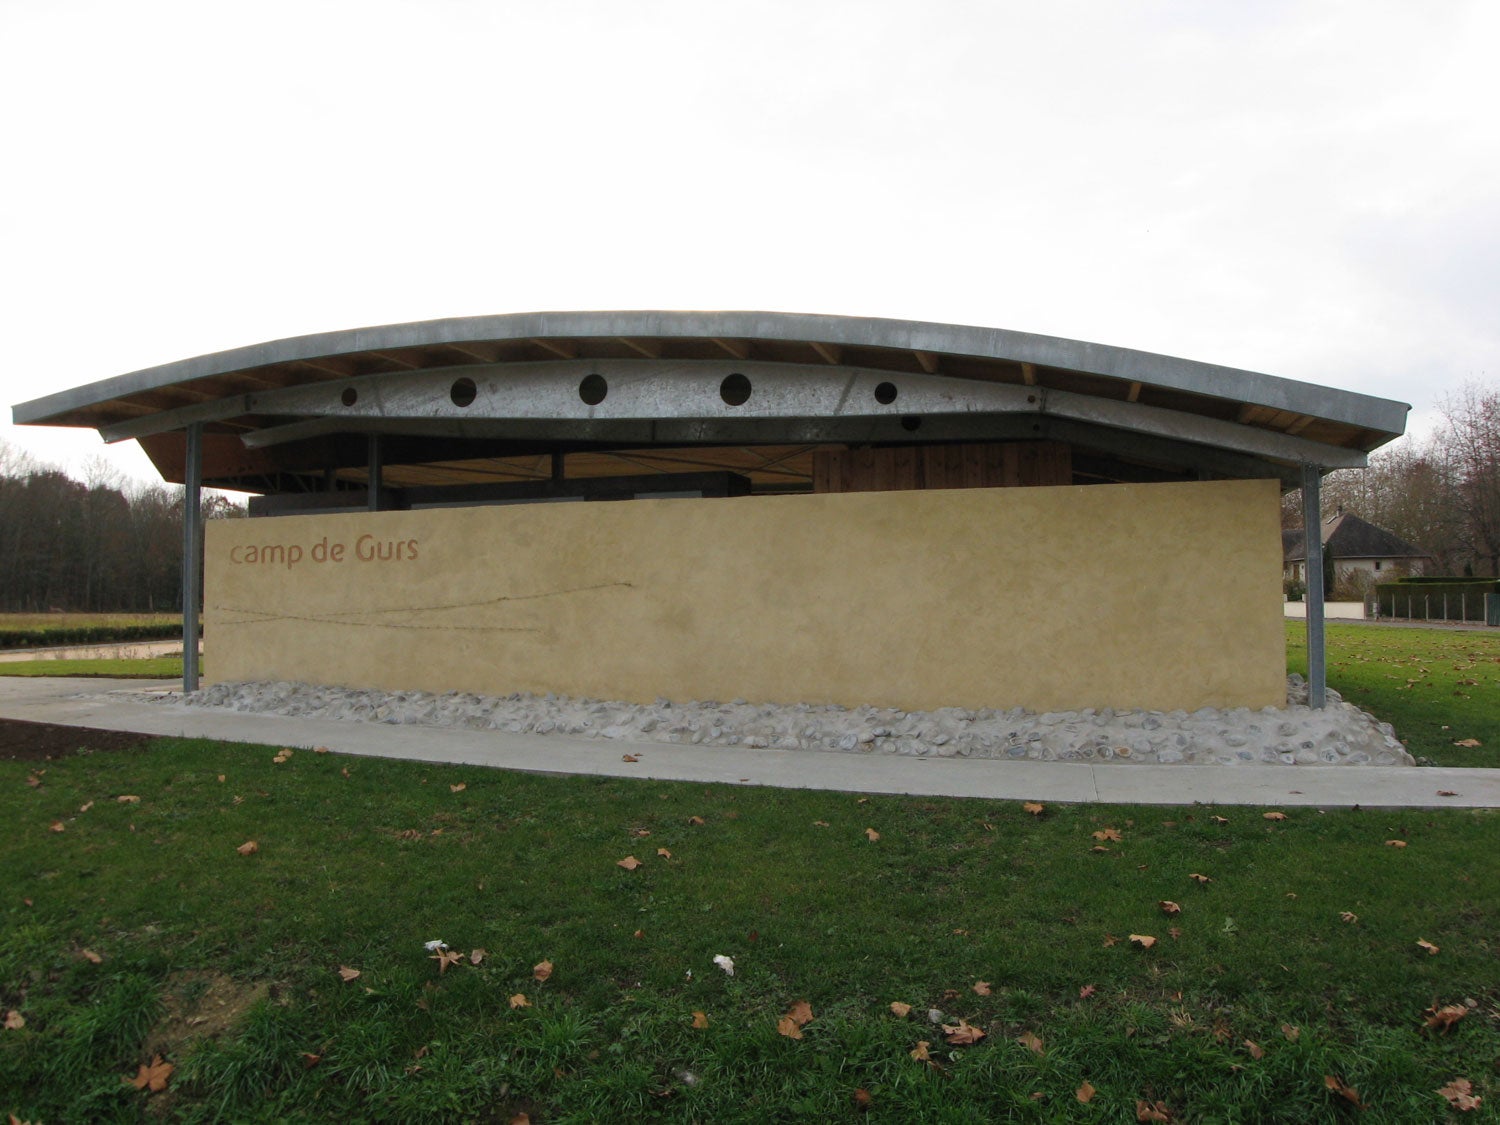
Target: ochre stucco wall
x,y
1160,596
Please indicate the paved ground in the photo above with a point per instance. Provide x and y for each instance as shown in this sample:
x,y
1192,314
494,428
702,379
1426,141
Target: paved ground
x,y
105,704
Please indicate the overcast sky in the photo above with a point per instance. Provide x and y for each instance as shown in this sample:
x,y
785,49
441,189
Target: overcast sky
x,y
1307,189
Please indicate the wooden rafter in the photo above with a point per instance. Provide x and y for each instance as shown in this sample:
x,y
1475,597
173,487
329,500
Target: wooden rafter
x,y
650,349
830,353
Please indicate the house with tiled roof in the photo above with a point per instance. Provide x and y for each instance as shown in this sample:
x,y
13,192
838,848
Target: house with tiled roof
x,y
1352,545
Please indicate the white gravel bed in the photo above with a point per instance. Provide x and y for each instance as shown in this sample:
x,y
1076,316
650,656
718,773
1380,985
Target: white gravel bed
x,y
1340,734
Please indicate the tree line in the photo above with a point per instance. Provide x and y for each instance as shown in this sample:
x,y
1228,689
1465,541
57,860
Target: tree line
x,y
1440,493
100,545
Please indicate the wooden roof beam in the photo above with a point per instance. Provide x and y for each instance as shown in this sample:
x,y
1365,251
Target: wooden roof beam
x,y
928,361
649,349
740,349
562,349
830,353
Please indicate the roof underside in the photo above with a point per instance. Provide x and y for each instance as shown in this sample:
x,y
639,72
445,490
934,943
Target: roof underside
x,y
492,399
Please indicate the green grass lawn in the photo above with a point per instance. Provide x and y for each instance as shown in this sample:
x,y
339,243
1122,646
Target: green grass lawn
x,y
1437,687
227,965
154,668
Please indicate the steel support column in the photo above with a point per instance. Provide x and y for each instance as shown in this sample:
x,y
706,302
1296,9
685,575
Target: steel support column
x,y
192,554
375,486
1312,523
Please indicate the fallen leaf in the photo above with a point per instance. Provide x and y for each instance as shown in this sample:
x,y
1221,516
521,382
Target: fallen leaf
x,y
1274,815
862,1098
519,1001
788,1027
629,863
1170,909
871,835
1152,1111
1348,916
345,771
541,971
1109,940
919,1052
1291,1032
1142,941
1031,1041
1441,1019
640,833
1200,879
90,956
1112,834
1460,1095
1395,843
981,988
1446,793
310,1060
477,956
249,847
700,1021
128,799
520,1119
34,780
1469,742
863,801
639,934
1343,1089
446,957
1219,819
1085,1093
1173,932
899,1009
1086,991
154,1075
1099,848
962,1033
630,757
820,824
459,788
1432,950
664,853
57,826
696,820
1256,1052
801,1013
1035,808
347,973
14,1020
86,806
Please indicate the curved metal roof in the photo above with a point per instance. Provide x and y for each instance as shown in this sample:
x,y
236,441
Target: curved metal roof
x,y
475,394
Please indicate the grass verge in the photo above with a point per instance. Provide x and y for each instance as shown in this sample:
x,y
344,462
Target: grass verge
x,y
154,668
227,965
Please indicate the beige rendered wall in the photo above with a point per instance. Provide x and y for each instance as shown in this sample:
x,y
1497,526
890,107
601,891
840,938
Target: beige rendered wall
x,y
1160,596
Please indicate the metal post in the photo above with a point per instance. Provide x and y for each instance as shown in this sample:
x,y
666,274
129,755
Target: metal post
x,y
192,554
375,485
1312,523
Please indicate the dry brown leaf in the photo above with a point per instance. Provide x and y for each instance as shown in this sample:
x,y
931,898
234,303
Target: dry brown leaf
x,y
820,824
1423,943
788,1027
981,988
700,1021
1142,941
1395,843
1348,916
14,1020
476,956
459,788
57,826
1086,991
1291,1032
249,847
1099,848
1112,834
871,835
1152,1111
962,1033
1255,1049
128,799
310,1060
154,1075
801,1012
862,1098
519,1001
90,956
1447,793
1460,1095
629,863
919,1052
345,771
639,934
1274,815
1200,879
86,806
1441,1019
640,833
1219,819
899,1009
541,971
1031,1041
1173,932
1469,742
1085,1093
446,957
348,974
695,820
1343,1089
1109,940
520,1119
34,779
664,853
1169,908
1035,808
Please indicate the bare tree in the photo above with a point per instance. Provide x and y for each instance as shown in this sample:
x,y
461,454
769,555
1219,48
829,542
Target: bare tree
x,y
1470,440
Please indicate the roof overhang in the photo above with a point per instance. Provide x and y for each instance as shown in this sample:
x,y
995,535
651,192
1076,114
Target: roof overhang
x,y
465,400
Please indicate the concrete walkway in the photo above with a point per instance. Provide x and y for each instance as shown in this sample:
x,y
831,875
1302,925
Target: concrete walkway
x,y
108,704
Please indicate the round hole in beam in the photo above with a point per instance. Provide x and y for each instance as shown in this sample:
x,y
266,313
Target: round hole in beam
x,y
885,393
593,389
911,423
735,390
349,397
463,392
